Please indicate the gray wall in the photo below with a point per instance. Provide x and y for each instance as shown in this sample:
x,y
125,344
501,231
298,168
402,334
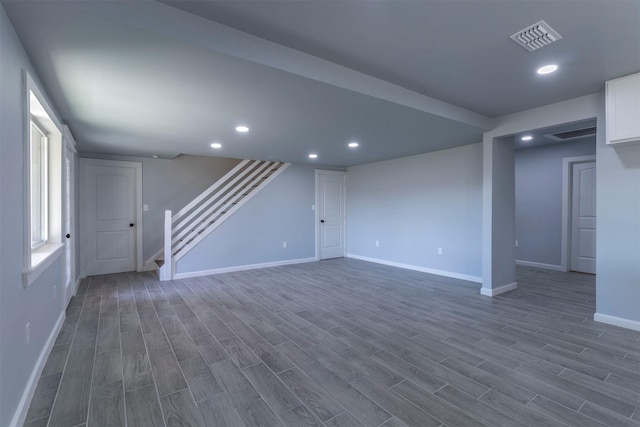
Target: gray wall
x,y
170,184
416,204
18,305
618,231
499,196
539,199
254,234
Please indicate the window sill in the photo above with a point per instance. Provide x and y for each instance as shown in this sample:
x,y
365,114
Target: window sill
x,y
41,259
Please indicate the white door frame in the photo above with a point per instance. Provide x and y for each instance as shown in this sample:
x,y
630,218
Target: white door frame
x,y
567,192
70,202
316,210
138,204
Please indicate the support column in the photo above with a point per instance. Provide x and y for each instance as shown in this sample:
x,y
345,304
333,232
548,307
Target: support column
x,y
498,216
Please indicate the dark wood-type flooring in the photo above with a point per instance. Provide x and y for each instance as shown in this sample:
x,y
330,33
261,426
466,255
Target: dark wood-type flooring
x,y
337,343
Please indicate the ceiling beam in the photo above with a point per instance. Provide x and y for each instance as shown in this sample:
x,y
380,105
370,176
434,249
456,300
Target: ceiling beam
x,y
162,19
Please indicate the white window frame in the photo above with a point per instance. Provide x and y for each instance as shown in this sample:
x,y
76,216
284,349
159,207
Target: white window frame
x,y
36,109
44,183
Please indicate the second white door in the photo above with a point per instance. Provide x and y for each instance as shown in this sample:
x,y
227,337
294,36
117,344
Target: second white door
x,y
108,215
583,218
331,214
69,224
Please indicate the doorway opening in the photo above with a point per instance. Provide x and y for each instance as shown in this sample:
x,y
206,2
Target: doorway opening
x,y
555,197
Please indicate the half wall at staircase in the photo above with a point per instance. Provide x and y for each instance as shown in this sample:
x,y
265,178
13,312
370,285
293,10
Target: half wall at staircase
x,y
254,235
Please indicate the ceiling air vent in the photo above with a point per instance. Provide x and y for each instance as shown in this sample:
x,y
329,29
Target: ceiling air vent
x,y
573,134
536,36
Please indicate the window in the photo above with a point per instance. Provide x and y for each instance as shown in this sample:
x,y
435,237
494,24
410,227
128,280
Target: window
x,y
43,240
39,186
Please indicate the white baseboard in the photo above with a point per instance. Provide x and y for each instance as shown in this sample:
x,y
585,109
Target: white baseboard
x,y
492,292
77,286
242,268
540,265
30,389
444,273
617,321
74,291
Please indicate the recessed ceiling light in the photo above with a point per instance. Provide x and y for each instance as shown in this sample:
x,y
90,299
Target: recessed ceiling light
x,y
527,138
313,156
242,129
353,144
216,145
547,69
155,156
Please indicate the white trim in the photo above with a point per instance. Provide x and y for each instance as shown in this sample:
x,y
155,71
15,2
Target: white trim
x,y
492,292
444,273
139,225
567,164
316,217
242,268
617,321
540,265
73,293
30,389
343,174
70,141
49,253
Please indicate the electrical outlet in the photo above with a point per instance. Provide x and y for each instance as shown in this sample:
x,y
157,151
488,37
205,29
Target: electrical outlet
x,y
55,291
516,243
285,244
27,333
377,243
439,251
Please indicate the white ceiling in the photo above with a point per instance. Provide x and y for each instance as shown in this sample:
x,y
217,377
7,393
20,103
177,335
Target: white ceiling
x,y
400,77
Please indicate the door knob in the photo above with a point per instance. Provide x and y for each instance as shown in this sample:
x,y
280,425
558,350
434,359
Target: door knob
x,y
322,220
131,225
68,236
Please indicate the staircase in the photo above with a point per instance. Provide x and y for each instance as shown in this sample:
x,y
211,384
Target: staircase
x,y
184,230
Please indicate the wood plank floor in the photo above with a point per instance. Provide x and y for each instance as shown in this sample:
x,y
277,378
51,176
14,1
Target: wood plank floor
x,y
337,343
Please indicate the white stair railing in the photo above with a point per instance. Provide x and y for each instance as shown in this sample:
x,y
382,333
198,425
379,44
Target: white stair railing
x,y
196,205
211,208
217,199
165,270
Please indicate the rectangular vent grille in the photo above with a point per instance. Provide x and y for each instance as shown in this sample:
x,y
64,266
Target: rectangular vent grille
x,y
573,134
536,36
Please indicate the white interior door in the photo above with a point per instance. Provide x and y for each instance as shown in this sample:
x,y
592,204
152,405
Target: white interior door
x,y
331,214
69,225
583,218
108,215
